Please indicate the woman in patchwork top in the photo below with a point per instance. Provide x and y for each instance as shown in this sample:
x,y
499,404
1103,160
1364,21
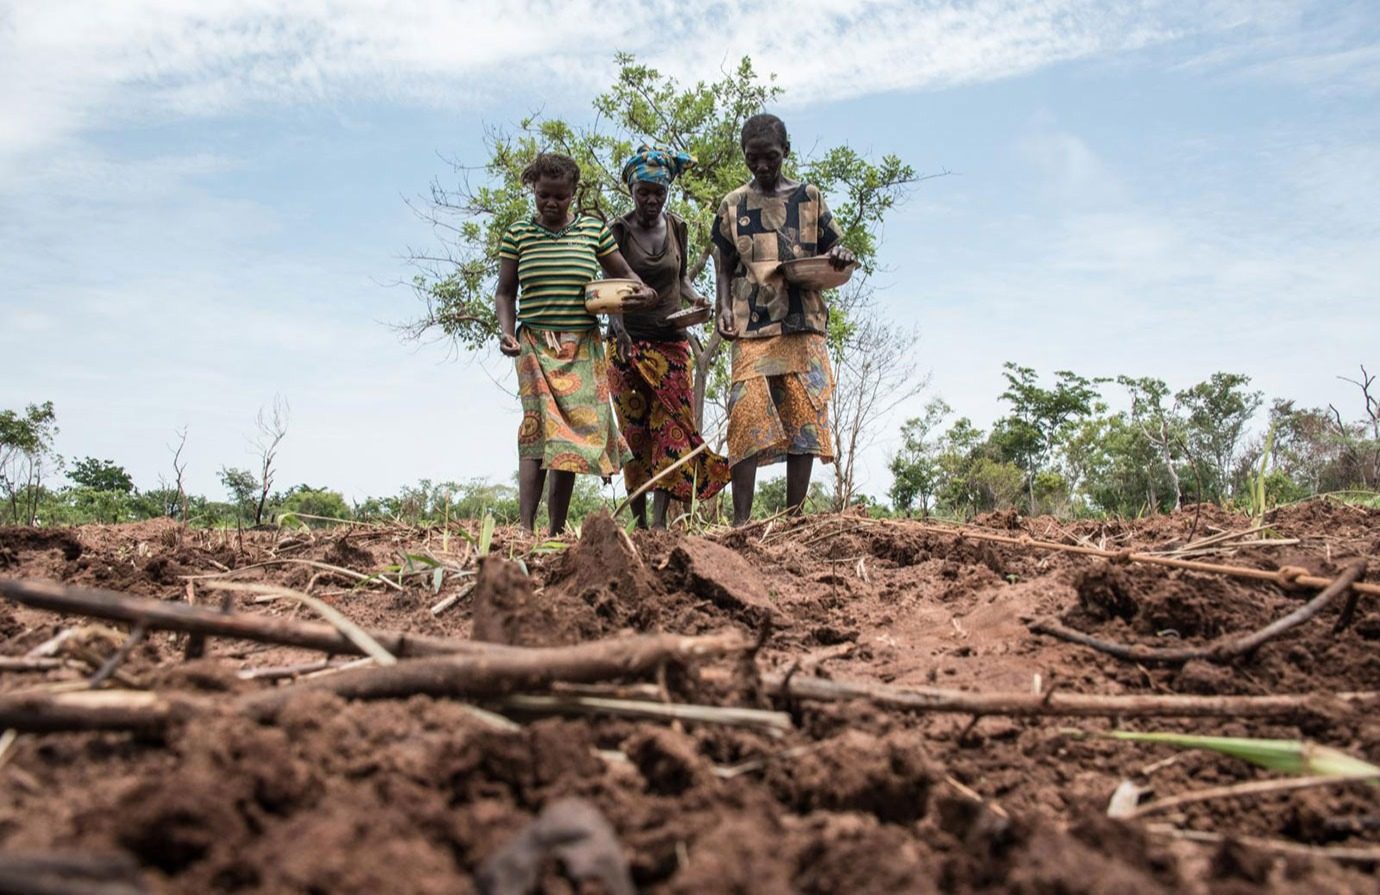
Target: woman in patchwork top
x,y
567,426
650,371
778,405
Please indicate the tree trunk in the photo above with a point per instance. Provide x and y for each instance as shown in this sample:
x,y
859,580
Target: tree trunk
x,y
1169,465
703,362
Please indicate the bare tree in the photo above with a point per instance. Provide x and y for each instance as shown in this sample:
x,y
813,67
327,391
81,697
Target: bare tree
x,y
1362,454
179,468
272,429
875,370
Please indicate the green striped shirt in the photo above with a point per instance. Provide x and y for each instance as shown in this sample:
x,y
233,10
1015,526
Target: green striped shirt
x,y
553,269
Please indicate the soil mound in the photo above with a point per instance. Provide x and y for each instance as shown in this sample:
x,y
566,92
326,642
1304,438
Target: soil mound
x,y
861,796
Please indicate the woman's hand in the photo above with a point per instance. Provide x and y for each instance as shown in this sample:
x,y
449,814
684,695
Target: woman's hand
x,y
508,344
840,257
643,298
622,342
726,325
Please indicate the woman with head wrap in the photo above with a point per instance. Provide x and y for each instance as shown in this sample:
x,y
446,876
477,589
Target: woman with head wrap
x,y
778,402
562,369
649,372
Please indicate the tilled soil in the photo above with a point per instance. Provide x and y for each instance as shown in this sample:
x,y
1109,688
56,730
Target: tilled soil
x,y
414,795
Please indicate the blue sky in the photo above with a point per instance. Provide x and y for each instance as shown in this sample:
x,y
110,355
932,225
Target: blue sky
x,y
201,204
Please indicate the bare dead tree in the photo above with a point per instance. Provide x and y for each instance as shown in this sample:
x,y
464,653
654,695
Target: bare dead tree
x,y
1361,456
1372,402
179,468
272,429
875,369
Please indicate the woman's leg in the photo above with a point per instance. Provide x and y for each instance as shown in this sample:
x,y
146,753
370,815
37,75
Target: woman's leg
x,y
798,469
660,500
639,508
744,482
531,477
558,499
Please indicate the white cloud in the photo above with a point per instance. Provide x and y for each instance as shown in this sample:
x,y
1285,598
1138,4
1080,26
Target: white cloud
x,y
81,65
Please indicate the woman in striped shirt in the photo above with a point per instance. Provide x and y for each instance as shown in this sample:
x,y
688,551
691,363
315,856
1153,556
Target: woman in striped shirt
x,y
567,424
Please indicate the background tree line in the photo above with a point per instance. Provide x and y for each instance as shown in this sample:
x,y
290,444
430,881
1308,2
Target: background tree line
x,y
1060,449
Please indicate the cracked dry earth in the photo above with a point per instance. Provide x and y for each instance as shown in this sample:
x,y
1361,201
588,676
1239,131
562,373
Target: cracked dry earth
x,y
416,794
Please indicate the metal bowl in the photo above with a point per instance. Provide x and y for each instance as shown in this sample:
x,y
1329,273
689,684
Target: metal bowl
x,y
816,273
691,316
608,296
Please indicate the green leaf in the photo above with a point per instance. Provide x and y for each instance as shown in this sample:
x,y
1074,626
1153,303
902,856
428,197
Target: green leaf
x,y
1289,756
486,535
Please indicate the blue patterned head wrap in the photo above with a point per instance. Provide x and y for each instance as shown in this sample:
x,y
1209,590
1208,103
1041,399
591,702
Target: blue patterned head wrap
x,y
655,164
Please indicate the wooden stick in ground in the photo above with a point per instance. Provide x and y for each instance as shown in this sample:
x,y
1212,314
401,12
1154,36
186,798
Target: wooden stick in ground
x,y
1223,650
168,616
506,672
651,483
1058,703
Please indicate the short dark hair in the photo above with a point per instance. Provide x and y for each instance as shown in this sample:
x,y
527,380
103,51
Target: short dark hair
x,y
764,124
552,165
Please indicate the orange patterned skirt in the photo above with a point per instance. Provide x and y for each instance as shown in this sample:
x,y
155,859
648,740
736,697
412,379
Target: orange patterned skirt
x,y
778,403
567,423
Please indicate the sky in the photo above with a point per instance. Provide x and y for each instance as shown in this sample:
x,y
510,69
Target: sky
x,y
203,205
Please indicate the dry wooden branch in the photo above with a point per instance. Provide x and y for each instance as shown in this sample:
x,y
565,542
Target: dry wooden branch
x,y
1058,703
505,672
22,663
334,617
109,666
1285,577
652,482
462,675
326,567
1221,651
169,616
136,710
446,603
69,873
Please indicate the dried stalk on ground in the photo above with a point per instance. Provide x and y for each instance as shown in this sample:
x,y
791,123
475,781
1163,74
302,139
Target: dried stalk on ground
x,y
1222,651
500,673
69,873
512,670
1055,703
754,719
160,615
1236,790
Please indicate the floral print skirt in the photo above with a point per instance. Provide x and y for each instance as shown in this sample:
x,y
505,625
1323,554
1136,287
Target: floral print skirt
x,y
653,395
564,387
778,403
